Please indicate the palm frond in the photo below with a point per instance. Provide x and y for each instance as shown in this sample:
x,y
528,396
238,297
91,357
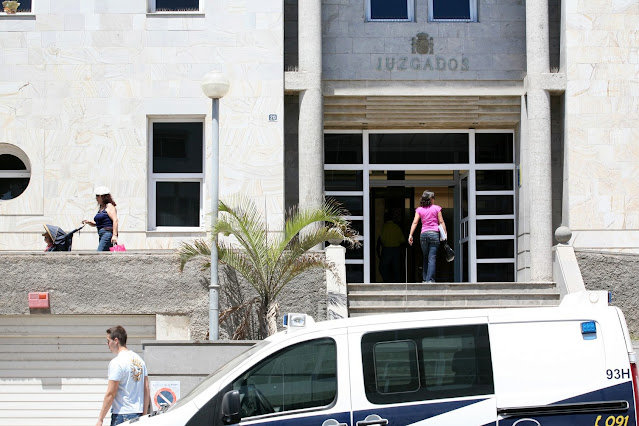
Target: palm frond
x,y
200,249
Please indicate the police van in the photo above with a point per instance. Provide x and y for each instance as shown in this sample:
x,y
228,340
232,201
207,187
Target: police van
x,y
567,365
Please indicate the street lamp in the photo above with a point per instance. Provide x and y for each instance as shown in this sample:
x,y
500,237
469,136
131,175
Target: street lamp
x,y
214,85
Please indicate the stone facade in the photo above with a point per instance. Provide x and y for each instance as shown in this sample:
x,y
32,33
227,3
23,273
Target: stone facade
x,y
80,82
492,49
616,273
138,283
601,62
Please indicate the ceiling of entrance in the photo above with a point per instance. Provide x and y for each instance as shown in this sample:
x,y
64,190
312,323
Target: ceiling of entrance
x,y
421,112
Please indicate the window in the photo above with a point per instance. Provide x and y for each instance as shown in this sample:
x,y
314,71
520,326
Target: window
x,y
384,10
428,363
174,5
452,10
177,173
15,172
298,377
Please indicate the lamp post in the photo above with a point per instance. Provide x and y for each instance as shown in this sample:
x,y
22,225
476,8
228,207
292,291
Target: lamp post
x,y
214,85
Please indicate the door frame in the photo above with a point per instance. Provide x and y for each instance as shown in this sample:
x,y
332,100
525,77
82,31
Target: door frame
x,y
365,167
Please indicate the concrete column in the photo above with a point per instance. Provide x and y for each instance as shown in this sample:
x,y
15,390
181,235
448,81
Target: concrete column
x,y
337,303
311,124
539,166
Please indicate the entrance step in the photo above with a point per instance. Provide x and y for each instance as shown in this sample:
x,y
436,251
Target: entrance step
x,y
366,299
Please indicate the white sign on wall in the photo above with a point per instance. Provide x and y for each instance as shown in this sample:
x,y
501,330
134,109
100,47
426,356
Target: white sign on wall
x,y
164,393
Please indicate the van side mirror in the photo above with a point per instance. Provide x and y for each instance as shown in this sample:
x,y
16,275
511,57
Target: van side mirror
x,y
231,408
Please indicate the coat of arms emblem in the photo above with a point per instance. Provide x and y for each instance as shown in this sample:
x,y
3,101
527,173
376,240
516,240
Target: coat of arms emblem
x,y
422,44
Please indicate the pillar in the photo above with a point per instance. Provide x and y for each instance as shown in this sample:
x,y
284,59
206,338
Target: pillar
x,y
539,165
311,124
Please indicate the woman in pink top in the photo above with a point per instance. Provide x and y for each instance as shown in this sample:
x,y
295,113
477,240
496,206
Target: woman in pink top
x,y
431,216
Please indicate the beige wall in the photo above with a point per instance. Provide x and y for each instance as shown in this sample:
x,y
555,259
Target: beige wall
x,y
79,83
601,57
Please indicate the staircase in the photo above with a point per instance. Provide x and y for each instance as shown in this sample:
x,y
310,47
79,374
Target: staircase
x,y
367,299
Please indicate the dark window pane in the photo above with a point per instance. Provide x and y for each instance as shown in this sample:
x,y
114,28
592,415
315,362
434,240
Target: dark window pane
x,y
358,225
464,251
419,148
11,188
389,9
354,204
493,148
343,149
496,227
451,362
494,249
451,9
298,377
343,180
396,367
176,5
464,197
495,204
494,180
11,162
177,147
25,6
177,204
495,272
354,273
351,253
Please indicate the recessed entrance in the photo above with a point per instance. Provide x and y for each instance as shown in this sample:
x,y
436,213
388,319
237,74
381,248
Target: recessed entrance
x,y
380,176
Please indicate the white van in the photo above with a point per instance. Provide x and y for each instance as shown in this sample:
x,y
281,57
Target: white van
x,y
566,365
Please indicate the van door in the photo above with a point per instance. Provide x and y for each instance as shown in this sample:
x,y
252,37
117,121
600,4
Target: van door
x,y
435,372
304,383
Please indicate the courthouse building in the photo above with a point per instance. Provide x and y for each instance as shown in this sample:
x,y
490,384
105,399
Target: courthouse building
x,y
520,116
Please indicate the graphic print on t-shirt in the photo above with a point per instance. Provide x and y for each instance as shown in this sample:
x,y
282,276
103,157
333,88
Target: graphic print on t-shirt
x,y
136,369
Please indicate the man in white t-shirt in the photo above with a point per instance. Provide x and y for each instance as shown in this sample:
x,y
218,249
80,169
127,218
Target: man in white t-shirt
x,y
128,391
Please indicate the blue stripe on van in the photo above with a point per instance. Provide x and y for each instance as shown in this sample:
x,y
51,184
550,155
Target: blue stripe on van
x,y
406,415
620,392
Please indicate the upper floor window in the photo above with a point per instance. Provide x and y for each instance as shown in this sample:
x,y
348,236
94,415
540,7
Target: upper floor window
x,y
301,376
174,5
177,173
15,172
23,6
385,10
452,10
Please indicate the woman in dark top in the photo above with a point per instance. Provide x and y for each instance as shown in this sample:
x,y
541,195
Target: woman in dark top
x,y
106,220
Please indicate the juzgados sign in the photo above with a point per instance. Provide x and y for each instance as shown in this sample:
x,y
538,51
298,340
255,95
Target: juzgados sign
x,y
422,44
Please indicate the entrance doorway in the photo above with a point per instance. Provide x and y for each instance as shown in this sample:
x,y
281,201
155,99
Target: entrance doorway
x,y
473,174
397,203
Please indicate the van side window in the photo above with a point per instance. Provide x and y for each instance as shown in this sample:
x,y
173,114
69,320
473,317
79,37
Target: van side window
x,y
427,363
301,376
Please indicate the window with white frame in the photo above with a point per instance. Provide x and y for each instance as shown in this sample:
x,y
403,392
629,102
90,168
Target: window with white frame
x,y
174,5
176,180
15,172
452,10
385,10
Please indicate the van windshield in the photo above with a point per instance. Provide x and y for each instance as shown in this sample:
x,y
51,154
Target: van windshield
x,y
220,372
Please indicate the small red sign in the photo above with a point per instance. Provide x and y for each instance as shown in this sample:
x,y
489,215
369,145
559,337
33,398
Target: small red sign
x,y
39,300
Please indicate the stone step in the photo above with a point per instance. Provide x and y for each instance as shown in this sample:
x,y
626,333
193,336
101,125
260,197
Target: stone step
x,y
375,310
522,287
429,296
452,302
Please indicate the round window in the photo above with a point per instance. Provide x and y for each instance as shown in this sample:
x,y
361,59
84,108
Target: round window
x,y
15,172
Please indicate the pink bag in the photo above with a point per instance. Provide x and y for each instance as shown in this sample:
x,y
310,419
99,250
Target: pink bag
x,y
117,247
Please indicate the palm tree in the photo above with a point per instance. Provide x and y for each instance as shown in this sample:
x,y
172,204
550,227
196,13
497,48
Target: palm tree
x,y
270,261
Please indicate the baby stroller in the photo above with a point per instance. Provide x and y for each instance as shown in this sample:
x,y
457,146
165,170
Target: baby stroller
x,y
61,240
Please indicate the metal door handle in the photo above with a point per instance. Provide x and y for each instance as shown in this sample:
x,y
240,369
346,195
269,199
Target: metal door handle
x,y
372,419
333,422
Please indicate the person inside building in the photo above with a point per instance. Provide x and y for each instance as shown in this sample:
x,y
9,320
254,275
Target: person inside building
x,y
127,394
430,215
389,248
106,220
